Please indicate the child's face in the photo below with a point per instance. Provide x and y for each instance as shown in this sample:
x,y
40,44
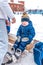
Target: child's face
x,y
25,23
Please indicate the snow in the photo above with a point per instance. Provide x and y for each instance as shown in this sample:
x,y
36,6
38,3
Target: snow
x,y
26,60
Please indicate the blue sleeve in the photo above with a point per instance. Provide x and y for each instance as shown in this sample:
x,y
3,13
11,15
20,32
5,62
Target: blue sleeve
x,y
8,29
8,26
8,19
19,31
31,32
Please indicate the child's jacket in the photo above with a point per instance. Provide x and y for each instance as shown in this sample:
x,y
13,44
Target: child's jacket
x,y
27,32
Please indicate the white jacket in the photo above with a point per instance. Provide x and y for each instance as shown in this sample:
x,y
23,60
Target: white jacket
x,y
5,10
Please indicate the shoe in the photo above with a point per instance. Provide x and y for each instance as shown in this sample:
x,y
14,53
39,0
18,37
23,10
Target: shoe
x,y
9,55
18,53
12,51
8,62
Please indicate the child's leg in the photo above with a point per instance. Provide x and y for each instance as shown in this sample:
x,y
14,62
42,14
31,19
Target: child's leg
x,y
20,49
18,53
16,44
11,57
22,46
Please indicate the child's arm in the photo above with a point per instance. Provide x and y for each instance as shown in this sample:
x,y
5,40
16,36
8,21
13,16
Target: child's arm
x,y
19,34
31,32
19,31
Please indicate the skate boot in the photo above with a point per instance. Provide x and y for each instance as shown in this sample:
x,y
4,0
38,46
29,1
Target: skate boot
x,y
9,59
16,55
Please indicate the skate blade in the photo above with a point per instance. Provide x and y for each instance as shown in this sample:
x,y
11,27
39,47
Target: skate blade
x,y
14,59
8,56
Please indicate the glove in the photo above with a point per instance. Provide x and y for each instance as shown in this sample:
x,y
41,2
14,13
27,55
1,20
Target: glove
x,y
25,39
18,38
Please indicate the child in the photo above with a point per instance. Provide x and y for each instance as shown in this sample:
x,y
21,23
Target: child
x,y
25,35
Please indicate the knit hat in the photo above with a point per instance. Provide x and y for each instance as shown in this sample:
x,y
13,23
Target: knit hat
x,y
25,17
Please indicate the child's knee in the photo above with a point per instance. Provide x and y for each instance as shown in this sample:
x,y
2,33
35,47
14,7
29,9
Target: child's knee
x,y
21,48
23,44
15,45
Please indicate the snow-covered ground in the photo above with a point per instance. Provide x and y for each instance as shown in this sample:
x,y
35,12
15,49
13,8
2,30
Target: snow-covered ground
x,y
26,59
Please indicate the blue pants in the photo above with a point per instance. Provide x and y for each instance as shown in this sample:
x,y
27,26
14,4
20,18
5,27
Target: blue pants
x,y
20,45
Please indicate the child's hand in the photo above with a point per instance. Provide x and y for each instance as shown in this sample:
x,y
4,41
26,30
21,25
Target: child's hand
x,y
18,38
7,23
13,20
25,39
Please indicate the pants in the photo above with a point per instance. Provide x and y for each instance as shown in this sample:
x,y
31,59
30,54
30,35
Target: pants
x,y
20,45
3,40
